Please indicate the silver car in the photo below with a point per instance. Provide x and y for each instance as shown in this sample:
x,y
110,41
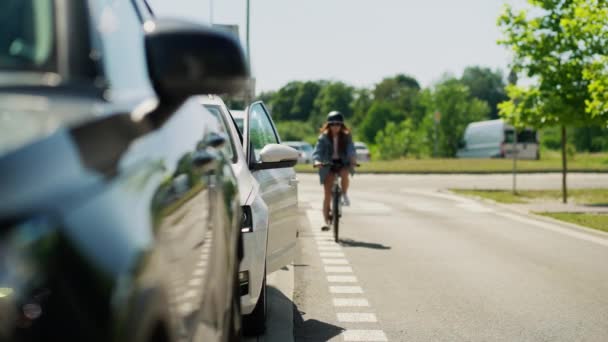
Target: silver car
x,y
268,188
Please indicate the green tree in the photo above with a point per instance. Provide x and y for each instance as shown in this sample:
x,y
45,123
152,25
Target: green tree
x,y
296,130
332,96
401,91
453,100
378,116
361,105
303,102
562,46
283,101
398,140
486,85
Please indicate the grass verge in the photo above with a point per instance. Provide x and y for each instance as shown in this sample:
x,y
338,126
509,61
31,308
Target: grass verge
x,y
591,220
593,197
583,162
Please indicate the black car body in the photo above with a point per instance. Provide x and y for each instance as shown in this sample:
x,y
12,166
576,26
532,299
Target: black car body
x,y
119,218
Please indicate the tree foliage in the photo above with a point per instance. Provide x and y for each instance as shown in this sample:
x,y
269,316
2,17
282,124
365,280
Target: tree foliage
x,y
453,100
486,85
562,46
378,116
398,140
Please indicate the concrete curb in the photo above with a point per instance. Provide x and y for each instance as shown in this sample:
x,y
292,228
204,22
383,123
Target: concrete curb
x,y
528,214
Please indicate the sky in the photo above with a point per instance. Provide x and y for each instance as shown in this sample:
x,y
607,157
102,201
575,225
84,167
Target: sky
x,y
355,41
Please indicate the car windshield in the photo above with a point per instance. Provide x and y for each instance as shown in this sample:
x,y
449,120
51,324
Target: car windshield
x,y
26,35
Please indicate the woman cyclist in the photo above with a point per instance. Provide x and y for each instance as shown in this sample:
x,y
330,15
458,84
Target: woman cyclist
x,y
334,154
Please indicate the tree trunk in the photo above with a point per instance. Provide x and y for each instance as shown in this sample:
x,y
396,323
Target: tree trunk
x,y
564,166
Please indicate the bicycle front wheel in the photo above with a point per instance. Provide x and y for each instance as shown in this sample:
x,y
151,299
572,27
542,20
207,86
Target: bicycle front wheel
x,y
335,210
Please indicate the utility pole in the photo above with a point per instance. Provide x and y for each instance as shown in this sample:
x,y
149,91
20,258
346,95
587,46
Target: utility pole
x,y
515,151
211,12
248,90
437,119
512,78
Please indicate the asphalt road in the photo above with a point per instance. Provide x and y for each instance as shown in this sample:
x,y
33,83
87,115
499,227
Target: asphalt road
x,y
415,264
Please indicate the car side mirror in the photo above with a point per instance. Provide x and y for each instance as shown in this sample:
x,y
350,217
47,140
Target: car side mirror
x,y
186,59
275,156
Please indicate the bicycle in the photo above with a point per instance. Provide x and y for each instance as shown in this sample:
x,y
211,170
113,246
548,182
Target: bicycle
x,y
335,210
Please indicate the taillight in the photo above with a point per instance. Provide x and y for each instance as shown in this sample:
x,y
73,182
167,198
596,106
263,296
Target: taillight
x,y
502,149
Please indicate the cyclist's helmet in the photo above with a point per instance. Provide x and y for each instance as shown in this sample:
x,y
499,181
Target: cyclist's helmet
x,y
335,117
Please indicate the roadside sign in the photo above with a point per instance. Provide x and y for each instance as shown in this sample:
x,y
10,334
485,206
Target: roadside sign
x,y
437,116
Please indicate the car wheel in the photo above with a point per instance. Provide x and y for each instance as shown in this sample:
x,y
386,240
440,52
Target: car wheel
x,y
255,323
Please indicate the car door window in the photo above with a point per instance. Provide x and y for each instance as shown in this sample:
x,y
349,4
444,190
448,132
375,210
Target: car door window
x,y
261,130
228,148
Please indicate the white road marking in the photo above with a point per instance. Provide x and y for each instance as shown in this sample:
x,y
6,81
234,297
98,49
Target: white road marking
x,y
195,281
189,294
185,308
338,269
364,335
358,317
474,207
341,279
345,289
335,261
554,228
329,248
351,302
332,254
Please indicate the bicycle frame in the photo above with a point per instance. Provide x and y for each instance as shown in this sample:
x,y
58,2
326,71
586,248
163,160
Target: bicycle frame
x,y
336,205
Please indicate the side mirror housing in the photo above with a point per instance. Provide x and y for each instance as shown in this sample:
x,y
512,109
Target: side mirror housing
x,y
186,59
275,156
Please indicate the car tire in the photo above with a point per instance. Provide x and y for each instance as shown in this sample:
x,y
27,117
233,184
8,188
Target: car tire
x,y
254,324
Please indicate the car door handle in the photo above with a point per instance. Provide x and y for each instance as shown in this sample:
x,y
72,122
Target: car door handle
x,y
294,181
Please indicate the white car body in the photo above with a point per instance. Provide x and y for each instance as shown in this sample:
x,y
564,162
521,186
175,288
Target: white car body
x,y
363,154
494,139
272,196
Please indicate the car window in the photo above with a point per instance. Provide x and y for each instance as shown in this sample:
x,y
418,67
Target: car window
x,y
119,40
27,35
261,130
228,148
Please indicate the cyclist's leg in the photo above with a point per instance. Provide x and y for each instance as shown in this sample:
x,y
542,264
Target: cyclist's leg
x,y
345,180
327,185
344,183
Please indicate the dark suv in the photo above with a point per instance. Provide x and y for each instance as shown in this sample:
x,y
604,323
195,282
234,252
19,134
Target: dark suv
x,y
119,216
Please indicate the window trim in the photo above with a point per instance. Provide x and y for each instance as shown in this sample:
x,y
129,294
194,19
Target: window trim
x,y
226,125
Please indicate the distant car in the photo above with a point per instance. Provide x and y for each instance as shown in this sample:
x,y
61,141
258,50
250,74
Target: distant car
x,y
119,219
495,139
304,150
268,188
363,154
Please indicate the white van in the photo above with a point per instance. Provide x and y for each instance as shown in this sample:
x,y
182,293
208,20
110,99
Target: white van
x,y
494,139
